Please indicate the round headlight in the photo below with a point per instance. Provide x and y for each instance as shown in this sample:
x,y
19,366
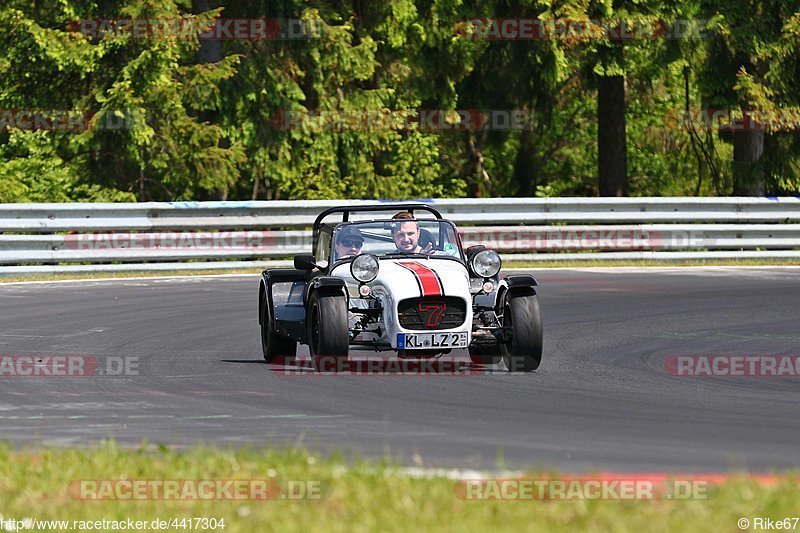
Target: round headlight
x,y
486,263
364,267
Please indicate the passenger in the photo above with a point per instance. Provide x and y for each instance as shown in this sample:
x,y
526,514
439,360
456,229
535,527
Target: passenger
x,y
349,241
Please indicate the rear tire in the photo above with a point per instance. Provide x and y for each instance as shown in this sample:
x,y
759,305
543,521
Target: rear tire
x,y
328,331
276,348
523,317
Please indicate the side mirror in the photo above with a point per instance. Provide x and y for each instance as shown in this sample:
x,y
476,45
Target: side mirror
x,y
304,262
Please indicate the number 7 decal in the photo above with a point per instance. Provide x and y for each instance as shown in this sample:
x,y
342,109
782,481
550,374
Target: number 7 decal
x,y
434,309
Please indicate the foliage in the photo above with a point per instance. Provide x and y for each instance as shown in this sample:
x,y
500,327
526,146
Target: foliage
x,y
168,125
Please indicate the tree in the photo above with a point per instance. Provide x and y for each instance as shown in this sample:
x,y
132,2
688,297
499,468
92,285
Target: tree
x,y
750,69
626,41
149,88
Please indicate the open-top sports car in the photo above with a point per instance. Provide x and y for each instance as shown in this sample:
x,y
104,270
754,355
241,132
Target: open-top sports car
x,y
401,283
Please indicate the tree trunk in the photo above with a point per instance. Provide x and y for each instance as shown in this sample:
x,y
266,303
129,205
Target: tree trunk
x,y
210,51
480,183
748,176
612,157
524,172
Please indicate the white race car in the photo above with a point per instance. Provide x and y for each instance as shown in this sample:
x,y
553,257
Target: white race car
x,y
398,284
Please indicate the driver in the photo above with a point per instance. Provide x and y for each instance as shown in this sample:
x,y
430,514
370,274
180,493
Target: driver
x,y
406,235
349,241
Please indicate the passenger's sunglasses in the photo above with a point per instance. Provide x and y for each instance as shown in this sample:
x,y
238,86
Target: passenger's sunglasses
x,y
350,243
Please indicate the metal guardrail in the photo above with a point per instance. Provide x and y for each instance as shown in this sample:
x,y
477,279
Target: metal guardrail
x,y
225,235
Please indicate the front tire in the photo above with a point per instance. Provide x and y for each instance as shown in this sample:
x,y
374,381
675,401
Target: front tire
x,y
328,331
276,348
522,319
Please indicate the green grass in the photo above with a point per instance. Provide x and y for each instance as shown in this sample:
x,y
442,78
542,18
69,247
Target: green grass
x,y
356,496
125,274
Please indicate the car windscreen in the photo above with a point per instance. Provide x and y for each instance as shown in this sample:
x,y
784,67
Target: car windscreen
x,y
388,238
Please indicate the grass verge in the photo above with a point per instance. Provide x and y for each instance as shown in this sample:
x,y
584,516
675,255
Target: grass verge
x,y
126,274
360,496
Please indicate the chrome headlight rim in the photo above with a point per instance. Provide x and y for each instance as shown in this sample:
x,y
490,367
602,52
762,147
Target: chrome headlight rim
x,y
366,265
486,264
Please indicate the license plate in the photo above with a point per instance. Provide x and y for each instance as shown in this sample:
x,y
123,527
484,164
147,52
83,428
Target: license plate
x,y
413,341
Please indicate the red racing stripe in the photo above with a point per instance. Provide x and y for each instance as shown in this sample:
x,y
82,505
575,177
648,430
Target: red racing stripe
x,y
429,282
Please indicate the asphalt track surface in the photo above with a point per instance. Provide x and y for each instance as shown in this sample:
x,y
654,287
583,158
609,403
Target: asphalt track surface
x,y
602,399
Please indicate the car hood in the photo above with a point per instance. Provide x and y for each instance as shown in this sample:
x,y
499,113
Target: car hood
x,y
414,277
400,279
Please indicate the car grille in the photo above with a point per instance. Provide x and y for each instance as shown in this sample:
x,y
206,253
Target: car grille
x,y
432,312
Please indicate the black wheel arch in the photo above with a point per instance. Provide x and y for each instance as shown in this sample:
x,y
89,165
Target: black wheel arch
x,y
325,285
521,284
268,278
